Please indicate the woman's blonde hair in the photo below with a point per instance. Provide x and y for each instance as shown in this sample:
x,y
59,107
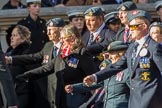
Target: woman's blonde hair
x,y
24,33
71,31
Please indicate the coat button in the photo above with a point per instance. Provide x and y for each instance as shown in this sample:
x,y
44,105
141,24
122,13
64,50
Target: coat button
x,y
42,41
53,102
132,88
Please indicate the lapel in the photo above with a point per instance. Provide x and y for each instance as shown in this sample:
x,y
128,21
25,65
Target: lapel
x,y
86,37
138,56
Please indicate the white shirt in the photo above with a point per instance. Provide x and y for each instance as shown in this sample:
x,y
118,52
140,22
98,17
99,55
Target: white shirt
x,y
95,34
141,42
58,45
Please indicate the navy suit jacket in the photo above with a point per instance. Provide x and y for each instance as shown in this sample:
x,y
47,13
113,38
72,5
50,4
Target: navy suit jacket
x,y
106,37
144,92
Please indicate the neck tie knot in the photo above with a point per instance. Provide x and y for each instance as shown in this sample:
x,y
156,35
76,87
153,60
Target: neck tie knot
x,y
126,33
55,51
91,39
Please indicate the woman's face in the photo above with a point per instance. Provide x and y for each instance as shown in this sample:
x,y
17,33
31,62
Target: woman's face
x,y
68,41
16,38
155,34
78,22
34,9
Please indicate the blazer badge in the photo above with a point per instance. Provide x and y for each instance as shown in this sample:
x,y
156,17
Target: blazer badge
x,y
45,59
145,76
144,62
98,38
73,62
119,76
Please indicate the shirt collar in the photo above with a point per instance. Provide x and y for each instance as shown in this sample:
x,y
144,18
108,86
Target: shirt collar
x,y
142,40
58,45
99,30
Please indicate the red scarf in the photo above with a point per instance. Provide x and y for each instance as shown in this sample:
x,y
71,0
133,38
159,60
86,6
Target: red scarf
x,y
65,52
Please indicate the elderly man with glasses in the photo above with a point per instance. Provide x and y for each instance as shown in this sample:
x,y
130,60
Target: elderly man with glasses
x,y
145,70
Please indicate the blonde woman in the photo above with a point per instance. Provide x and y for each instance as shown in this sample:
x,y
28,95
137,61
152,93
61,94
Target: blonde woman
x,y
70,67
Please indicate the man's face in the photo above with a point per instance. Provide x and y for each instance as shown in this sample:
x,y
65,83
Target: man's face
x,y
53,33
34,9
123,17
159,12
78,22
93,22
136,29
114,26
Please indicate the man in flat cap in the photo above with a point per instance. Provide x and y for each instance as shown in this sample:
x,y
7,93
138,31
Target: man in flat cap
x,y
49,51
123,34
143,60
76,18
98,35
112,21
158,7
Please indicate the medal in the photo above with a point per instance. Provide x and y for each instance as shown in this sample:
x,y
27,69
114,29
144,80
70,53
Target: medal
x,y
145,76
143,52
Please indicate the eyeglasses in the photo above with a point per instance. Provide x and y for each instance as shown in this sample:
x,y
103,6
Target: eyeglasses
x,y
135,26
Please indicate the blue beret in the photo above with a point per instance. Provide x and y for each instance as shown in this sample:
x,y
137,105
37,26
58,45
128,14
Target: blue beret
x,y
94,11
158,5
127,6
117,46
55,22
111,17
138,13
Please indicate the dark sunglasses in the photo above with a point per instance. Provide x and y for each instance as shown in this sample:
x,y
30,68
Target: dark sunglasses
x,y
135,26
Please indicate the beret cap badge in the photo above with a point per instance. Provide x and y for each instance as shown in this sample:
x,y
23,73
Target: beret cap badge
x,y
135,12
123,8
90,13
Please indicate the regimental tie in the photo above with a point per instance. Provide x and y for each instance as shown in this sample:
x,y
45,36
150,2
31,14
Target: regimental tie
x,y
134,53
54,53
90,39
126,34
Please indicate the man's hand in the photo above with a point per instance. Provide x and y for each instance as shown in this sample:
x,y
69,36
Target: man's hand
x,y
89,80
8,59
68,88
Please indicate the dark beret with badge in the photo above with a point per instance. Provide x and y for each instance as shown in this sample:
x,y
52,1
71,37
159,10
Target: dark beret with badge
x,y
33,2
94,11
138,13
112,17
127,6
116,46
55,22
158,5
74,14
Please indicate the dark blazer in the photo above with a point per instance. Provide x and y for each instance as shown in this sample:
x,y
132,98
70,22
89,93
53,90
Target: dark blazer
x,y
47,84
106,37
6,85
145,81
67,72
117,90
119,35
38,32
21,87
